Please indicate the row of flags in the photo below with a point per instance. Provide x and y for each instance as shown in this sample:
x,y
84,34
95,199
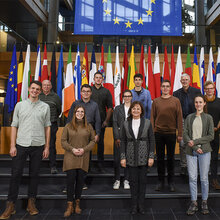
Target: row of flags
x,y
67,83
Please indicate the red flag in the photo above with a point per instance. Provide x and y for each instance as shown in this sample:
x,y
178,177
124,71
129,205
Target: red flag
x,y
142,66
188,68
53,73
157,73
102,64
44,68
172,71
124,74
166,71
150,77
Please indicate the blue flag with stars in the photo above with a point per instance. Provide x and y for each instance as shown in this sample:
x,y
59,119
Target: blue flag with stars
x,y
126,17
11,95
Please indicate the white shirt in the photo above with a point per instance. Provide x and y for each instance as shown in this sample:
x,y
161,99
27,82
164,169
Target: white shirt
x,y
135,126
126,112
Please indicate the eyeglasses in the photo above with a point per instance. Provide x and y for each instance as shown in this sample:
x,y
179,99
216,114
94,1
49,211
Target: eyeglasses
x,y
86,91
209,88
127,96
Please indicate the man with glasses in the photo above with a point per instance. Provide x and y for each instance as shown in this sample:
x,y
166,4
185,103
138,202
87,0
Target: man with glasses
x,y
166,118
213,107
186,96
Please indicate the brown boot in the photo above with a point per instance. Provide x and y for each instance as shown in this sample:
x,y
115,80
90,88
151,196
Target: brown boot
x,y
69,210
31,208
77,208
215,184
10,210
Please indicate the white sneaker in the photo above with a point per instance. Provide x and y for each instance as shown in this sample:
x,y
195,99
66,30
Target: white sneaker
x,y
116,184
126,184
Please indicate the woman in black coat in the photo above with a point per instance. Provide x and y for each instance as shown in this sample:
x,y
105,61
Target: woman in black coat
x,y
137,153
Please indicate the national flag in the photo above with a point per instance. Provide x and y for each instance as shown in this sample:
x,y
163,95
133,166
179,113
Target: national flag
x,y
202,69
20,75
60,75
44,74
11,95
195,76
117,78
85,68
211,68
188,68
37,75
172,71
77,75
179,71
26,75
102,64
166,70
124,73
157,73
93,68
69,90
109,76
150,77
131,70
53,73
218,74
142,68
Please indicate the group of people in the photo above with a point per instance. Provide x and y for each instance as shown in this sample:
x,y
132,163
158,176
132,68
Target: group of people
x,y
139,125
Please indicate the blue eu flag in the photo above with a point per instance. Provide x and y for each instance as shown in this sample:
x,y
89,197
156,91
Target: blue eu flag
x,y
11,95
126,17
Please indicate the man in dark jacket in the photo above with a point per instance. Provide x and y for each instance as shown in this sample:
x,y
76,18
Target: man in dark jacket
x,y
53,100
186,96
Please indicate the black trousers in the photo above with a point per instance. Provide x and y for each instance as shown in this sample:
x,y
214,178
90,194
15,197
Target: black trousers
x,y
100,150
75,182
214,156
168,140
53,152
18,162
117,164
137,180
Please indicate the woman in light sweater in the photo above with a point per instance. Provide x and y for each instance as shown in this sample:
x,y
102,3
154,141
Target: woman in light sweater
x,y
78,139
198,133
137,152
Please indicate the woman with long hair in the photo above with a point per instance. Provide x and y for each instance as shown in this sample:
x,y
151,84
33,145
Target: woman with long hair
x,y
78,139
198,133
137,153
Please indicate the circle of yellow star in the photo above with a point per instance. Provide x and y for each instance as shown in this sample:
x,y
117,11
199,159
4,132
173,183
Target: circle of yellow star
x,y
149,12
107,12
153,1
106,1
116,20
140,21
128,24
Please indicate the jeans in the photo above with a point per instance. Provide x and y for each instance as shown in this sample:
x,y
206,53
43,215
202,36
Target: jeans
x,y
117,164
75,182
170,141
18,162
204,163
52,155
138,181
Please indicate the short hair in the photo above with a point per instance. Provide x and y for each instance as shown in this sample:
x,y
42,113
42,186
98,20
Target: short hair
x,y
166,81
127,90
185,74
132,106
138,75
36,82
86,86
209,83
97,73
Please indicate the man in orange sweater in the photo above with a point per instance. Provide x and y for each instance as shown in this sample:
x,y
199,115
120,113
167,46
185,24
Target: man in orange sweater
x,y
166,117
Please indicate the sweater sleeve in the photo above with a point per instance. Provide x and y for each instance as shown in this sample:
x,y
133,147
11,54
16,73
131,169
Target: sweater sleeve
x,y
186,137
149,105
153,115
91,143
179,119
65,140
151,142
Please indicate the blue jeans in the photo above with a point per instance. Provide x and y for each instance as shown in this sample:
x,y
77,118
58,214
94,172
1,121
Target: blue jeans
x,y
204,163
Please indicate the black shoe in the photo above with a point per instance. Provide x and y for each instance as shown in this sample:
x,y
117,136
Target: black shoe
x,y
193,208
134,210
53,170
204,207
172,187
159,186
141,210
183,171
